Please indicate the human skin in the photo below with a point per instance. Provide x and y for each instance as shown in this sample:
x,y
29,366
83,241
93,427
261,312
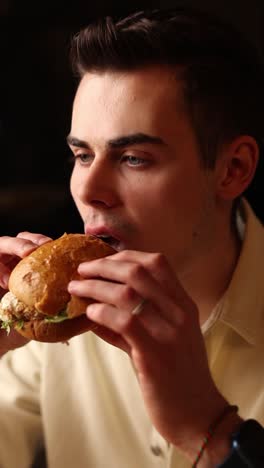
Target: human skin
x,y
12,250
176,248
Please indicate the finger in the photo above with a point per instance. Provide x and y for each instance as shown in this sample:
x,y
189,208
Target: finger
x,y
139,344
111,337
136,278
158,266
122,324
117,294
12,341
121,321
156,326
36,238
125,299
4,276
16,246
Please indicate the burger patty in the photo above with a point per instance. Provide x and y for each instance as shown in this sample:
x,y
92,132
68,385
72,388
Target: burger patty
x,y
11,308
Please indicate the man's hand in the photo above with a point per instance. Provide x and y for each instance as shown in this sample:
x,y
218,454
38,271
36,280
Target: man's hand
x,y
11,341
164,340
12,249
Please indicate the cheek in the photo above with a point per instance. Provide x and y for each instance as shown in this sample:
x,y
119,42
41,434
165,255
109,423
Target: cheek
x,y
166,195
174,203
75,185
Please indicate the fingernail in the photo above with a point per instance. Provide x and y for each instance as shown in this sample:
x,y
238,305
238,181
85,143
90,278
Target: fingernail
x,y
28,246
91,311
71,286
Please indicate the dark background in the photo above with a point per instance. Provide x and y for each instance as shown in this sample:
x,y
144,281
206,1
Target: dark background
x,y
36,92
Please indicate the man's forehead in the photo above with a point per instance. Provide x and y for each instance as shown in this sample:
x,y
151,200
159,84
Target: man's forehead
x,y
111,104
148,83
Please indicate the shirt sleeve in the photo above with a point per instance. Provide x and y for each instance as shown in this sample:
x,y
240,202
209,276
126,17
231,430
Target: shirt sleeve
x,y
20,419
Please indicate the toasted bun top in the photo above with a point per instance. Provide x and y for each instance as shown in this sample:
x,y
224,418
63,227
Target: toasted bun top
x,y
40,280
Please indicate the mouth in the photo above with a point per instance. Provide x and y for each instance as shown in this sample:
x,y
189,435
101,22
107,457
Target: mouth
x,y
106,235
110,240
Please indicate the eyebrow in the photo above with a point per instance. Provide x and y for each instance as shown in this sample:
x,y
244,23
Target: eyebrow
x,y
120,142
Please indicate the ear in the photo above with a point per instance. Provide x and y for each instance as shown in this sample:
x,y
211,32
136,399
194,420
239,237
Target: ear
x,y
236,167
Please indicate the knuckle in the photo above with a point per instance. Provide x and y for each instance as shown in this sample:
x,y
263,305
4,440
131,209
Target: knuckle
x,y
127,295
123,254
157,261
125,326
23,234
33,237
166,336
136,271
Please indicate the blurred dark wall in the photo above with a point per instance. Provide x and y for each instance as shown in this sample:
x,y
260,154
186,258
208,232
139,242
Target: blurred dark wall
x,y
36,95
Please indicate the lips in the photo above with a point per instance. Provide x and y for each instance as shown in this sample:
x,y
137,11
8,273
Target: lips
x,y
107,234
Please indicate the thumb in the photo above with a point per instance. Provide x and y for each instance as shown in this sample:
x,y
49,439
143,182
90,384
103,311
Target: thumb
x,y
4,276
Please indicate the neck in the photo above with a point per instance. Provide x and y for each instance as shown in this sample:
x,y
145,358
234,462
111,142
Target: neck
x,y
210,276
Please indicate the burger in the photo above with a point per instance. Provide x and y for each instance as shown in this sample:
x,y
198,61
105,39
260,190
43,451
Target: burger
x,y
38,304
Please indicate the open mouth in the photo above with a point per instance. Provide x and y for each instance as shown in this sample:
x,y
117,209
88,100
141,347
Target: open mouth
x,y
110,240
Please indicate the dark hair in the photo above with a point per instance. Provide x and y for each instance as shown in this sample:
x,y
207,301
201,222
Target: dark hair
x,y
221,72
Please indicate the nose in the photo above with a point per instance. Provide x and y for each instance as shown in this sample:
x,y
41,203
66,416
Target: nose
x,y
96,184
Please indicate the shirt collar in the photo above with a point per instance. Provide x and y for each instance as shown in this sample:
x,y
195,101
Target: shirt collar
x,y
243,303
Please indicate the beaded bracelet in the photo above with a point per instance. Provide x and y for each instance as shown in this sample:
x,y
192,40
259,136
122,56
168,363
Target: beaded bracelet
x,y
228,409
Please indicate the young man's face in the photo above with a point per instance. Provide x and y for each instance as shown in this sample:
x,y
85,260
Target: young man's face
x,y
137,175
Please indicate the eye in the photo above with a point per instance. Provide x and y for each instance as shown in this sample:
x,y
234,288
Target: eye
x,y
83,158
133,160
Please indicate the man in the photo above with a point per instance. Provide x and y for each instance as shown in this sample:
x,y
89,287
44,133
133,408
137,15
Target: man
x,y
165,136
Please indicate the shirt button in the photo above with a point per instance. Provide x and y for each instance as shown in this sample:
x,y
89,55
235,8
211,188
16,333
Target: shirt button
x,y
156,450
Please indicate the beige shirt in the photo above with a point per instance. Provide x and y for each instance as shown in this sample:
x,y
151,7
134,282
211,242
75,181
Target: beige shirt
x,y
84,402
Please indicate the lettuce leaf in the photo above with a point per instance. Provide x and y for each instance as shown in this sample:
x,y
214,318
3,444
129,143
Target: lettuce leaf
x,y
57,318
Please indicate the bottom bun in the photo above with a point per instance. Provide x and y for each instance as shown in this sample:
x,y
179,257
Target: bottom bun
x,y
40,330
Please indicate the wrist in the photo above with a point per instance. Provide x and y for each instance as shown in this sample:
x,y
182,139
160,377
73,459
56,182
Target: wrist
x,y
219,446
193,435
209,444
